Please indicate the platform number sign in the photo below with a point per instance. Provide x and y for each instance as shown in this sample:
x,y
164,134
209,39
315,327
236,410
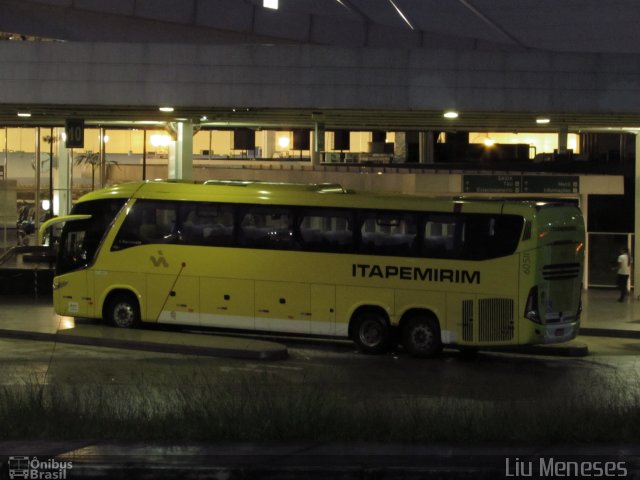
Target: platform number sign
x,y
74,129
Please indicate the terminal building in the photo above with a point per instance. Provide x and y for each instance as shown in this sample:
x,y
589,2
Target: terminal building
x,y
460,98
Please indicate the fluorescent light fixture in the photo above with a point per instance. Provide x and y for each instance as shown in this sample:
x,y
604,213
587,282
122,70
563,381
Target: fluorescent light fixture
x,y
451,114
166,109
402,15
272,4
542,120
24,114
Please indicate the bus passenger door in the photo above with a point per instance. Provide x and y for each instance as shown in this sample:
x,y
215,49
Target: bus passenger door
x,y
323,309
173,299
226,303
283,307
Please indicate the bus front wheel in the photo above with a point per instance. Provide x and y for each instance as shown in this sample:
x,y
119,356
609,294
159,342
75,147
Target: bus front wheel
x,y
421,336
123,311
371,332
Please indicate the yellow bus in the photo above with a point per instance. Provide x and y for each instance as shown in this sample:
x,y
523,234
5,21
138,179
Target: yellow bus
x,y
320,260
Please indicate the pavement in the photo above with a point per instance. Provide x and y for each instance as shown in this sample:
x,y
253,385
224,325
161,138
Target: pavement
x,y
602,317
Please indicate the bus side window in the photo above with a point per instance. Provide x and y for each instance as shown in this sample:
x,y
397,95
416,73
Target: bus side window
x,y
148,222
266,227
491,236
388,233
325,230
206,224
442,236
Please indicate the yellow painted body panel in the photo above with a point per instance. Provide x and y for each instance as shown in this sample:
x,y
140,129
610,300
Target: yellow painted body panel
x,y
306,292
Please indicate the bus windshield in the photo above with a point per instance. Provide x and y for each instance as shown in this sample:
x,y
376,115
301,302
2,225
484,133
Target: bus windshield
x,y
80,240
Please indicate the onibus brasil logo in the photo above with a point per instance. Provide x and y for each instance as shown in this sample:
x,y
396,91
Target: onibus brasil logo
x,y
32,468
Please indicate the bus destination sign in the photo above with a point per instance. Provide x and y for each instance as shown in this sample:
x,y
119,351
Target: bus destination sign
x,y
521,184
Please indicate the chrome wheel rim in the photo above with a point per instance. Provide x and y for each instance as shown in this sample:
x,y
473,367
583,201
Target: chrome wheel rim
x,y
123,315
370,333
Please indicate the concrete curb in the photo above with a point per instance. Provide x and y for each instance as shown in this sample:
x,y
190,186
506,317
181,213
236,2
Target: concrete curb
x,y
254,350
555,350
608,332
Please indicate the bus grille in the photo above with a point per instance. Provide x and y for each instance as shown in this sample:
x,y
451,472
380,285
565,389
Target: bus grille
x,y
561,271
467,320
495,319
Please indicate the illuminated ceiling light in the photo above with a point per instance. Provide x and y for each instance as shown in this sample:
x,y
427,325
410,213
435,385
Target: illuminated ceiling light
x,y
489,142
402,15
166,109
283,142
160,140
24,114
203,118
272,4
542,120
451,114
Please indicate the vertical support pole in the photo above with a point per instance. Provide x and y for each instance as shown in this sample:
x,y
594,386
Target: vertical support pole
x,y
144,154
51,142
269,143
36,220
426,147
102,157
6,151
636,226
563,136
64,182
584,206
181,152
318,144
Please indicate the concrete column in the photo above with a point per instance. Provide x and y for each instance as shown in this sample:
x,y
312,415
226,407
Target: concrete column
x,y
37,208
181,152
426,147
269,143
62,191
317,146
102,172
563,135
584,206
400,147
636,227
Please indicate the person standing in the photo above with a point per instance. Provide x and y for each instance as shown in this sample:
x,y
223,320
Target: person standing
x,y
624,269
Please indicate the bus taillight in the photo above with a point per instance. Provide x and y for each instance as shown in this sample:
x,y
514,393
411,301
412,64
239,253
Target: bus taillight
x,y
531,308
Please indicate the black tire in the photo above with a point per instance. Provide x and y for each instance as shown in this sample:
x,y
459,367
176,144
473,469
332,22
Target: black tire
x,y
123,311
421,336
371,332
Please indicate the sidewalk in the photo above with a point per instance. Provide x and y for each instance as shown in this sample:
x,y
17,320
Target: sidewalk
x,y
603,315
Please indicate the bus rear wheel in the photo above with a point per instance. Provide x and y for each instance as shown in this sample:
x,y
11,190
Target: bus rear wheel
x,y
371,332
123,311
421,336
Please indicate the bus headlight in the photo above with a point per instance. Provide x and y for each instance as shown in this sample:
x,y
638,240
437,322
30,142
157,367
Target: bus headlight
x,y
531,307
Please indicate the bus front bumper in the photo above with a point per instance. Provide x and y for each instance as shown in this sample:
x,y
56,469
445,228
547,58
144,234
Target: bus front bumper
x,y
560,332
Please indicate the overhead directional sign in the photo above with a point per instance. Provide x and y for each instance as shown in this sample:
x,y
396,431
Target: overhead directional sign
x,y
550,184
491,184
521,184
74,129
